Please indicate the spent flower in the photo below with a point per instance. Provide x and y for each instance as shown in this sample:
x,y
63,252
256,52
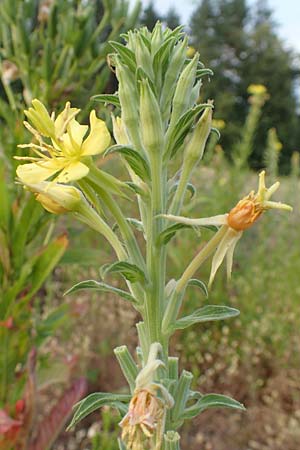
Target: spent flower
x,y
246,212
143,425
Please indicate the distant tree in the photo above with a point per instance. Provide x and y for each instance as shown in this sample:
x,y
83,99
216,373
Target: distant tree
x,y
172,19
241,46
150,16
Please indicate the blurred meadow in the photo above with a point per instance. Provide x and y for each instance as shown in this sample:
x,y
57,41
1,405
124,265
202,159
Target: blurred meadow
x,y
56,348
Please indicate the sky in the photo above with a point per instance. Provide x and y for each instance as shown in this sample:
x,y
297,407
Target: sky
x,y
286,14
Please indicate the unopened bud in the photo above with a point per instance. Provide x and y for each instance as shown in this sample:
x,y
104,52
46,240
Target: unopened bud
x,y
151,123
40,119
182,94
119,131
129,102
56,198
196,146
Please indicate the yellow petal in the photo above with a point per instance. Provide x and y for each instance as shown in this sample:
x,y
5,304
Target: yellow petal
x,y
98,139
76,132
72,172
37,172
63,118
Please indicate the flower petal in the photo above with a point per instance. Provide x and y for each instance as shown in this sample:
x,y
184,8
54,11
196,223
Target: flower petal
x,y
228,240
72,172
37,172
98,139
77,131
63,118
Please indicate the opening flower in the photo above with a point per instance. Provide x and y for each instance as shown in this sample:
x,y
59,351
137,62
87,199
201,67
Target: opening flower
x,y
63,155
143,425
240,218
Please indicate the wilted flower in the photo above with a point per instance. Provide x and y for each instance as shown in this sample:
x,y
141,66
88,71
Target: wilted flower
x,y
239,218
143,425
63,156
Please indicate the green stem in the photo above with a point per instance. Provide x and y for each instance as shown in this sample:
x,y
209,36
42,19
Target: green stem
x,y
91,218
178,198
155,254
126,231
175,300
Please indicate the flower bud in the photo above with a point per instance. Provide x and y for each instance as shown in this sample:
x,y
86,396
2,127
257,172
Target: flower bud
x,y
39,117
185,83
195,147
151,123
129,102
119,131
56,198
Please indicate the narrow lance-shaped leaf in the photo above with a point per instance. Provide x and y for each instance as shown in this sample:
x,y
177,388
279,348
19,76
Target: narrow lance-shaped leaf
x,y
95,401
166,235
107,98
46,262
211,401
129,271
200,284
206,314
135,160
102,287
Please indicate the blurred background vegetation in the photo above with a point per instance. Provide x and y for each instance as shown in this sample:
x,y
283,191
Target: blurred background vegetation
x,y
56,51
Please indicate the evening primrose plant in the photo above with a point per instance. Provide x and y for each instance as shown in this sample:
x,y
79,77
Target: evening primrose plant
x,y
157,116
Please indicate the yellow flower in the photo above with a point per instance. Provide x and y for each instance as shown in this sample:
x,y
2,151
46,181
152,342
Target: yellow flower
x,y
240,218
62,156
257,89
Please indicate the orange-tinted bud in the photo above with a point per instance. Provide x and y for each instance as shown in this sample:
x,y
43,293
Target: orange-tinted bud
x,y
244,214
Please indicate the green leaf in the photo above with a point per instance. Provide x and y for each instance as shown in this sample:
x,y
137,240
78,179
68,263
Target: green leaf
x,y
102,287
135,160
107,98
202,72
126,55
45,263
138,225
95,401
216,131
212,401
182,128
129,271
5,199
190,187
166,235
206,314
160,57
200,284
